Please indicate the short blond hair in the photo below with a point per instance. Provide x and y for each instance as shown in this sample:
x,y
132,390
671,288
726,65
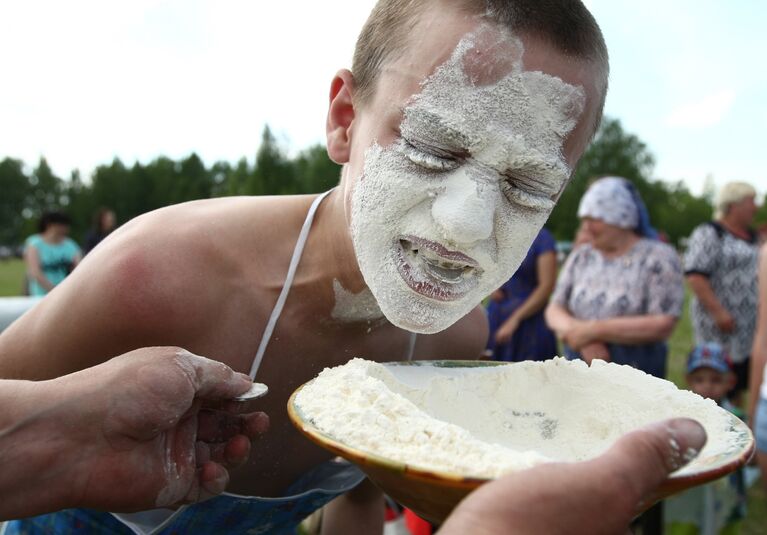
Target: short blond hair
x,y
566,24
731,193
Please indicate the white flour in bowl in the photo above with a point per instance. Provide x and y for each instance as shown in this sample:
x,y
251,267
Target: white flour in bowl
x,y
485,421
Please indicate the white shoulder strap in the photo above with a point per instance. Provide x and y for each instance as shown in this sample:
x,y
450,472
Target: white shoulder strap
x,y
277,310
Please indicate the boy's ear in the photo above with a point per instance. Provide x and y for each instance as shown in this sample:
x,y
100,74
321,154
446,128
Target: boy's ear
x,y
340,117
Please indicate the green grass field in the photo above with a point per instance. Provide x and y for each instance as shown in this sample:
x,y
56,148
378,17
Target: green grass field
x,y
12,273
11,277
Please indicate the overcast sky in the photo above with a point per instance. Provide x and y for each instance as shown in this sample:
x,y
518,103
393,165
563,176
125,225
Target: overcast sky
x,y
85,81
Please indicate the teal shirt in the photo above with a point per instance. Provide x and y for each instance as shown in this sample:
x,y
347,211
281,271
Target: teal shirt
x,y
56,260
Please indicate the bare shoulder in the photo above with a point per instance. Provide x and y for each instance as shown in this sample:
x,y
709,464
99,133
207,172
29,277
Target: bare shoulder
x,y
464,340
159,280
182,261
198,226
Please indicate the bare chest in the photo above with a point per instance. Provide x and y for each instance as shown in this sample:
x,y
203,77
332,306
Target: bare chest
x,y
297,351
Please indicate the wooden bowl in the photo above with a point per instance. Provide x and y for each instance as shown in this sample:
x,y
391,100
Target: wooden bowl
x,y
434,494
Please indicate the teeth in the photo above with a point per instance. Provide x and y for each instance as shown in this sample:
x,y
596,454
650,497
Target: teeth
x,y
440,268
448,275
438,261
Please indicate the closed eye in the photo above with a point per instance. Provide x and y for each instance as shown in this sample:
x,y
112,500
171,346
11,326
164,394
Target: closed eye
x,y
431,158
526,191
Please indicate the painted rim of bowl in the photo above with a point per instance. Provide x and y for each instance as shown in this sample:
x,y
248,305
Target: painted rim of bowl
x,y
723,463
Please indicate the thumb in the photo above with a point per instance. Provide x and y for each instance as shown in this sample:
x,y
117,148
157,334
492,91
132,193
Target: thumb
x,y
212,379
643,459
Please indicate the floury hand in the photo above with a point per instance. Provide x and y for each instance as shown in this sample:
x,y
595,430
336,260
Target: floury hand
x,y
127,435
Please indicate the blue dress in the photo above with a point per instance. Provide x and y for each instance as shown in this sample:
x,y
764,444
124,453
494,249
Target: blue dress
x,y
533,340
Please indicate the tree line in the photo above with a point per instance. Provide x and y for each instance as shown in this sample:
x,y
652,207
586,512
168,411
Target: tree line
x,y
139,188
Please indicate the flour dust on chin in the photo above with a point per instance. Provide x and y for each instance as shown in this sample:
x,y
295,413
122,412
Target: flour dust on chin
x,y
413,312
411,299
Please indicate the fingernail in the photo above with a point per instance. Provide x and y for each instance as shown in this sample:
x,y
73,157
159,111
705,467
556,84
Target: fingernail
x,y
239,460
690,431
687,439
241,380
256,424
218,484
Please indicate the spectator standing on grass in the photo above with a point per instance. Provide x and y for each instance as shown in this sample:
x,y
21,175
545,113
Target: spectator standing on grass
x,y
720,265
103,223
618,297
51,254
518,330
717,507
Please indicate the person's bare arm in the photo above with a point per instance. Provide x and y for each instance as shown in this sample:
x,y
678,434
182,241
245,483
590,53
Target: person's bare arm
x,y
126,435
595,351
622,330
135,291
360,510
759,351
546,269
701,287
559,319
34,271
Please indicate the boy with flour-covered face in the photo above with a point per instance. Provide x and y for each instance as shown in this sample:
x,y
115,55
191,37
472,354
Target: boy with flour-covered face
x,y
458,128
445,211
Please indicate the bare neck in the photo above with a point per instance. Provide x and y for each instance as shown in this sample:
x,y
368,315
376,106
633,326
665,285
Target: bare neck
x,y
735,226
329,260
51,237
621,246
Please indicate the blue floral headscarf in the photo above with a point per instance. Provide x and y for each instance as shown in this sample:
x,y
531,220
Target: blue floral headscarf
x,y
616,201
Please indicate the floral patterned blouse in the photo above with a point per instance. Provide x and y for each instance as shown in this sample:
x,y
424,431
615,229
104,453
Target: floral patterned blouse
x,y
645,280
730,264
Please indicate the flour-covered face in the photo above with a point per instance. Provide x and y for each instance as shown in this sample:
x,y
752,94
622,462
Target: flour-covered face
x,y
445,214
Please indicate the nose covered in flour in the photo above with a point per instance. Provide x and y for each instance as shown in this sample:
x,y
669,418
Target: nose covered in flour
x,y
465,207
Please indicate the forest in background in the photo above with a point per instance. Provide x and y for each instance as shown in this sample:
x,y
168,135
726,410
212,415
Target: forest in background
x,y
133,189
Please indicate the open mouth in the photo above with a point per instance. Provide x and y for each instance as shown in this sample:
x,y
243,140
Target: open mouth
x,y
434,271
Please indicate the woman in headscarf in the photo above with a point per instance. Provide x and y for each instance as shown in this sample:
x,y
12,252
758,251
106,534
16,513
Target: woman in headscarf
x,y
618,297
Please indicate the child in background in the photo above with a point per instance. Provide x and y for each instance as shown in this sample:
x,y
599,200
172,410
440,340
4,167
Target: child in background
x,y
718,507
50,255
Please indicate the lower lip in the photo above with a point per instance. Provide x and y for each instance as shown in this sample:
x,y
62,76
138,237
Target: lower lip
x,y
422,283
